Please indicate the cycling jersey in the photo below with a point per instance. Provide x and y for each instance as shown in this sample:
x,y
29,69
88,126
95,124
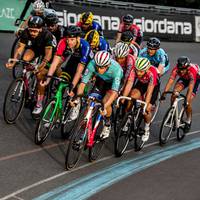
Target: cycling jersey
x,y
38,44
151,76
95,26
134,29
103,45
113,74
128,66
160,57
59,33
81,52
192,73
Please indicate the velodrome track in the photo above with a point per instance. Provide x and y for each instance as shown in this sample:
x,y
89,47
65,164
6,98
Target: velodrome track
x,y
28,171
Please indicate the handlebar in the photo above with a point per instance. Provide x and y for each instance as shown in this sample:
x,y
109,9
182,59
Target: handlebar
x,y
179,94
30,66
59,79
132,99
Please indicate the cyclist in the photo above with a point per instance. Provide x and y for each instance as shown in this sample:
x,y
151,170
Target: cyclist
x,y
51,20
73,52
125,59
36,41
143,82
156,55
128,38
87,23
108,75
189,76
97,42
38,10
128,25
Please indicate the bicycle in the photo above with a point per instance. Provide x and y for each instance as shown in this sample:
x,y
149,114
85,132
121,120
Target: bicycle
x,y
173,120
87,133
20,90
55,114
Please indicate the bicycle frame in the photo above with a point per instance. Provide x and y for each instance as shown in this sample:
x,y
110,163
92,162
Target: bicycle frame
x,y
88,118
176,112
58,106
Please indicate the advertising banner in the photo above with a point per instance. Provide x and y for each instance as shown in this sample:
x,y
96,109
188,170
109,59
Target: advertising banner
x,y
175,27
10,10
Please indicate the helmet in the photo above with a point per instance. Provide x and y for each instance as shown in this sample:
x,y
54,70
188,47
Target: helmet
x,y
142,64
127,36
121,50
38,5
183,62
128,19
86,18
51,19
72,31
92,37
153,43
35,22
102,58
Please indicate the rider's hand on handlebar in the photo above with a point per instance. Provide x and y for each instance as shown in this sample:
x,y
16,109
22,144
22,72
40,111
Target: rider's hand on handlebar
x,y
103,111
163,96
10,65
74,101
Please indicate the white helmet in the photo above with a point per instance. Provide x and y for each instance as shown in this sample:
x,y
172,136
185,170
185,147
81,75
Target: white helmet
x,y
102,58
121,50
38,5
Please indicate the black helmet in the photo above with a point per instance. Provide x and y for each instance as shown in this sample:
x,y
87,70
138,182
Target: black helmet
x,y
183,62
51,19
128,19
153,43
35,22
72,31
127,36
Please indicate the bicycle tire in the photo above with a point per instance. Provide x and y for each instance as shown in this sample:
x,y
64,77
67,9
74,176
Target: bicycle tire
x,y
76,146
95,150
139,132
18,82
45,123
163,138
180,130
122,137
157,103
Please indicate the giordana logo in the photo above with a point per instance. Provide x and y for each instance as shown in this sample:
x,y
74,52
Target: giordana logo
x,y
107,22
164,26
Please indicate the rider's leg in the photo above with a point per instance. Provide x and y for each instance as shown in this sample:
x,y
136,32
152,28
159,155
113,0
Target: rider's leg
x,y
28,55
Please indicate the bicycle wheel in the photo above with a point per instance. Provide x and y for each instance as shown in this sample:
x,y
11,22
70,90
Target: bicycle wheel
x,y
46,123
67,123
180,130
118,118
14,100
76,145
95,150
167,126
155,107
139,131
123,135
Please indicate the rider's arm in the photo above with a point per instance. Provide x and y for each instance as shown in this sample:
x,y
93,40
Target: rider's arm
x,y
47,57
118,38
171,79
56,62
129,84
19,50
81,88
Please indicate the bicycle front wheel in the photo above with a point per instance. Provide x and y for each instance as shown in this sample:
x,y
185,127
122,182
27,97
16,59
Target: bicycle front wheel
x,y
155,108
167,126
123,135
76,146
139,131
14,100
180,130
95,150
46,124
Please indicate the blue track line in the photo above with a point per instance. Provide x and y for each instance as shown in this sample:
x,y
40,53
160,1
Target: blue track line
x,y
95,182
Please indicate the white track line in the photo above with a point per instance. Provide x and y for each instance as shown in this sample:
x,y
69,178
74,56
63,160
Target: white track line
x,y
76,169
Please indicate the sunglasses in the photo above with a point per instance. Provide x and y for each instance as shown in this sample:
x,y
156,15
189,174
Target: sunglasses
x,y
33,30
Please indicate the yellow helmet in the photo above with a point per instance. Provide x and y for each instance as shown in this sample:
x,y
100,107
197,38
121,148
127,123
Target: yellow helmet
x,y
86,18
93,38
